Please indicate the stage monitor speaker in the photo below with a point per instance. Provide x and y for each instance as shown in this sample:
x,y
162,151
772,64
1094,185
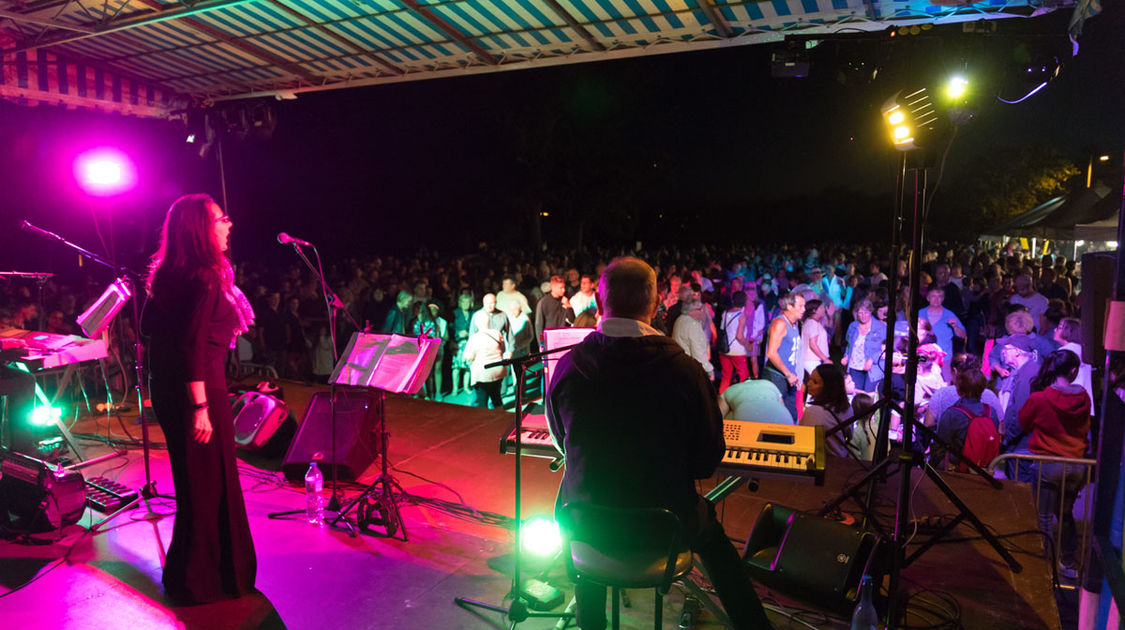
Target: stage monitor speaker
x,y
357,411
37,497
257,418
1098,269
811,559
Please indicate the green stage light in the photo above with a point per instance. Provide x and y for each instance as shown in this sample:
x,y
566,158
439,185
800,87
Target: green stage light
x,y
45,415
540,537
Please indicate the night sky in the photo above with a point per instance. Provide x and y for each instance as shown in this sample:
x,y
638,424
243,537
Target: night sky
x,y
673,142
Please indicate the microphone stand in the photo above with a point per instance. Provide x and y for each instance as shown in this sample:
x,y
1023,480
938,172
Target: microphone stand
x,y
334,304
147,491
518,611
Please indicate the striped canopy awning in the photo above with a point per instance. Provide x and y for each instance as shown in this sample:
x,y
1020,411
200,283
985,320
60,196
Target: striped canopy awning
x,y
138,56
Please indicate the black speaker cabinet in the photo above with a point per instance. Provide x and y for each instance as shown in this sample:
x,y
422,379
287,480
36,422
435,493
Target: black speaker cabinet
x,y
1098,269
357,412
810,559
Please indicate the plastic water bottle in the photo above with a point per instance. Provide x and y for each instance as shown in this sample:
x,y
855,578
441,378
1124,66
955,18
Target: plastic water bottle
x,y
865,617
314,495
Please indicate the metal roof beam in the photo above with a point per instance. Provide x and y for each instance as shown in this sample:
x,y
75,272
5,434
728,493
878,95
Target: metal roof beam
x,y
345,41
159,15
716,19
452,31
184,16
30,19
574,25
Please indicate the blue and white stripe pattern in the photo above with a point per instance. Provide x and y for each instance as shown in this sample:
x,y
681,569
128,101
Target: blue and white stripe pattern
x,y
258,46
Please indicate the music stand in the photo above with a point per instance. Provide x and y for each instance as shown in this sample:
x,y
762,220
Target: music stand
x,y
384,362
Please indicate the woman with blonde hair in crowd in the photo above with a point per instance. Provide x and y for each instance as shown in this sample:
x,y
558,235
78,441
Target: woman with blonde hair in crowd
x,y
865,338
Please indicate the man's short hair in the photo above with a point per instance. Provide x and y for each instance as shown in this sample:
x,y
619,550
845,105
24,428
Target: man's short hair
x,y
788,300
557,280
628,288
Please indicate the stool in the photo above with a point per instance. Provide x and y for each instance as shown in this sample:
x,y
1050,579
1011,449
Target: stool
x,y
627,548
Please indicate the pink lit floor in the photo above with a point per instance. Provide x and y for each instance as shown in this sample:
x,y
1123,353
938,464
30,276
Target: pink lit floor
x,y
319,578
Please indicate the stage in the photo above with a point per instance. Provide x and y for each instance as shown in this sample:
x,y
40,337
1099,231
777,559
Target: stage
x,y
311,577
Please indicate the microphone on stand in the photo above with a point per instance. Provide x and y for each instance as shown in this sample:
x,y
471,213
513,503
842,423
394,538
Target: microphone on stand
x,y
26,226
285,239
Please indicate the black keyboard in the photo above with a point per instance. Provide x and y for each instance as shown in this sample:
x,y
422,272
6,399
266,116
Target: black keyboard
x,y
106,495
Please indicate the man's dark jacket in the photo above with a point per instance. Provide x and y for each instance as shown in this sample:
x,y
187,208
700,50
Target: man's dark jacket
x,y
638,421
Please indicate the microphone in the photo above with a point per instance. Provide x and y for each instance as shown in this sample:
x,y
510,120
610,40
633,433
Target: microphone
x,y
26,226
285,239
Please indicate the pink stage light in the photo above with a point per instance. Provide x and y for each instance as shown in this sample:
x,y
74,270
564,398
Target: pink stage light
x,y
104,172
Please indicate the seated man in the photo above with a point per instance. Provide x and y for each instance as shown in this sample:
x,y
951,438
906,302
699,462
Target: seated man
x,y
627,379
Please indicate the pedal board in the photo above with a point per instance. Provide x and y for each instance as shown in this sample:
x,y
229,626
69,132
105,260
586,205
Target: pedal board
x,y
107,496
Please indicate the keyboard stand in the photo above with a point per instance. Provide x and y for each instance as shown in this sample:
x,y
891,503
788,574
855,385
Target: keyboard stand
x,y
727,486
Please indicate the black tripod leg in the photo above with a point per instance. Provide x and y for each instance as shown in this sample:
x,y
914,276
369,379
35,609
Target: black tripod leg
x,y
967,514
850,491
392,506
118,512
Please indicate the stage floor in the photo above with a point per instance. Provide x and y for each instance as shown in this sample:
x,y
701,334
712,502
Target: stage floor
x,y
311,577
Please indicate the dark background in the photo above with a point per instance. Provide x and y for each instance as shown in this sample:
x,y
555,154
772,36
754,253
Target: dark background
x,y
685,148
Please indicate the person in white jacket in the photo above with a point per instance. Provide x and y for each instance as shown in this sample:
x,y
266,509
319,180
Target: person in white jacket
x,y
484,347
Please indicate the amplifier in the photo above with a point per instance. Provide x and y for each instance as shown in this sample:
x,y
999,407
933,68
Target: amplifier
x,y
257,417
38,497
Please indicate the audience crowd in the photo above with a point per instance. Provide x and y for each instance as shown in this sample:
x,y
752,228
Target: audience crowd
x,y
788,334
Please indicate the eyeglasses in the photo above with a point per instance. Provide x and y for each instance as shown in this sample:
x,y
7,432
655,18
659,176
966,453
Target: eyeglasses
x,y
223,219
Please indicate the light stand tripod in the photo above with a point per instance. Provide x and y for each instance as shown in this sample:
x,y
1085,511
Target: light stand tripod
x,y
910,456
148,490
518,611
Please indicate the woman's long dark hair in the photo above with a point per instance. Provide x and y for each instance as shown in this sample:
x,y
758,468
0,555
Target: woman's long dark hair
x,y
187,243
810,308
1059,363
833,395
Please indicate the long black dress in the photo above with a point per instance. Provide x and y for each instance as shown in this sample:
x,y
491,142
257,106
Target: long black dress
x,y
190,324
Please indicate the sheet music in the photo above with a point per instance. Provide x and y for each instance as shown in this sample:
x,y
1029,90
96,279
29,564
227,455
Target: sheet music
x,y
393,363
559,338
